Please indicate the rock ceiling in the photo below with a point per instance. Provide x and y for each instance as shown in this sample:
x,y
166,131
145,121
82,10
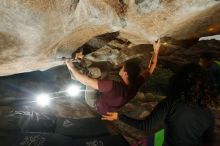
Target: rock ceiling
x,y
35,34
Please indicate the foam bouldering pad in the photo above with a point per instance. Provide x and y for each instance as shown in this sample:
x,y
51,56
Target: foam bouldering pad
x,y
81,128
38,139
116,140
27,121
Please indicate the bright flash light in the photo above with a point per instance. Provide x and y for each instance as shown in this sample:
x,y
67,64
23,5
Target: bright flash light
x,y
43,99
73,90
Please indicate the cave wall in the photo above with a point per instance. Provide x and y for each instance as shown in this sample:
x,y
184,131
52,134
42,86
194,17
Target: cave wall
x,y
35,34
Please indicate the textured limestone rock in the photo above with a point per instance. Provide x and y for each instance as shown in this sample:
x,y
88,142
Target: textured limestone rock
x,y
182,55
35,34
117,57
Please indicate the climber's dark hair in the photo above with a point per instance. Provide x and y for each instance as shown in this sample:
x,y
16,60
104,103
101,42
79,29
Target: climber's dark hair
x,y
133,69
193,85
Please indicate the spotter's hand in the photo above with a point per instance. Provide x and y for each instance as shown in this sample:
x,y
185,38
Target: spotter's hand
x,y
79,56
110,116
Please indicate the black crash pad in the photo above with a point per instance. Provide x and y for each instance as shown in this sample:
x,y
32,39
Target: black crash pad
x,y
116,140
38,139
27,121
46,139
81,128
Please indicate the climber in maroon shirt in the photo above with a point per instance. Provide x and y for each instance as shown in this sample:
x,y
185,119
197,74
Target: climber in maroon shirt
x,y
115,94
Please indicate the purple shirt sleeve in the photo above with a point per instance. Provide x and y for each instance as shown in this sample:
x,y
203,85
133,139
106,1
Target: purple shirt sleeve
x,y
105,85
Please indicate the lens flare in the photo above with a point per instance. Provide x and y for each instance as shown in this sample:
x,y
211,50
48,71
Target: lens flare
x,y
73,90
43,99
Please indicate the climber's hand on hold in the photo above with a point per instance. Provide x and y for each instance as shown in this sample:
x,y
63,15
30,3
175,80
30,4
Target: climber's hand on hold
x,y
79,56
